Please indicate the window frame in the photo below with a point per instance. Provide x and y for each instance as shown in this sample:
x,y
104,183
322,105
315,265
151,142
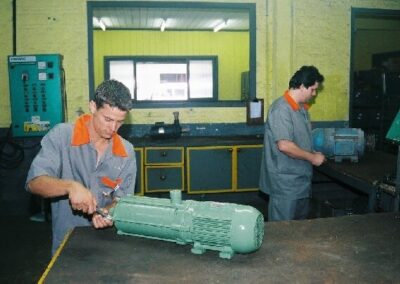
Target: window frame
x,y
251,7
167,59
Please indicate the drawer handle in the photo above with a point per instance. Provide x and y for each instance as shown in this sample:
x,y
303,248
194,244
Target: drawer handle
x,y
163,177
230,150
163,154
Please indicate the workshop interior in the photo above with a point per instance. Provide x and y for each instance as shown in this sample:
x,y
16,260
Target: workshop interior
x,y
202,76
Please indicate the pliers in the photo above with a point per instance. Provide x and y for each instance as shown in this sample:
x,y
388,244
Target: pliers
x,y
101,212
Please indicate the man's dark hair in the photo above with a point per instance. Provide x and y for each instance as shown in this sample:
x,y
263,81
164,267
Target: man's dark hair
x,y
113,93
306,75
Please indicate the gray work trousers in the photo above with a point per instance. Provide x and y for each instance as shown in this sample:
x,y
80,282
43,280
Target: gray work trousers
x,y
280,209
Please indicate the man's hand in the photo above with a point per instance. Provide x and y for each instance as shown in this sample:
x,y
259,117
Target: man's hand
x,y
81,198
318,159
292,150
100,221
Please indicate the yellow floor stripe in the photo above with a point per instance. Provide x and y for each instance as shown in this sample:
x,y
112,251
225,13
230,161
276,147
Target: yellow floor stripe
x,y
54,258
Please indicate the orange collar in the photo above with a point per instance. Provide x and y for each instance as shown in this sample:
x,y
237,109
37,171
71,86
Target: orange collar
x,y
295,106
81,136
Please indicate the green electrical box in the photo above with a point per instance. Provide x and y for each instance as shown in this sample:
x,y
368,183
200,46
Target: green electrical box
x,y
36,93
394,130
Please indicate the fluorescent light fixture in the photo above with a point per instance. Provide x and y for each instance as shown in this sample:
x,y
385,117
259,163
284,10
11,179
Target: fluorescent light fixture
x,y
102,25
99,23
163,24
220,26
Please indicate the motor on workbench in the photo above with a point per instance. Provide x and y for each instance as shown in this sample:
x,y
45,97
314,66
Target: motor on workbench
x,y
339,143
225,227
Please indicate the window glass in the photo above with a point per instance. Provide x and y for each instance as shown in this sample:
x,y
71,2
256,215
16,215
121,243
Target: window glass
x,y
123,72
201,79
161,81
180,79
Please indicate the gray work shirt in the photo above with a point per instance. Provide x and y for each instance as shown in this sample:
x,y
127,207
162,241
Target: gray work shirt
x,y
60,157
282,176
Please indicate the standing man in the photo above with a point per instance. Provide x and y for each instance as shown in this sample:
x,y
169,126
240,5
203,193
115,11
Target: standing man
x,y
86,165
288,158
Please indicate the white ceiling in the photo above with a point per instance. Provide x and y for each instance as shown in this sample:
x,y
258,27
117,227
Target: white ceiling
x,y
144,18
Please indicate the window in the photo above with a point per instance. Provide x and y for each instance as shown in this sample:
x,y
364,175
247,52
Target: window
x,y
166,79
190,18
122,70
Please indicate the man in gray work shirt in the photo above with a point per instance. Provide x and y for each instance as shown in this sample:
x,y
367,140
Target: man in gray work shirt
x,y
288,158
86,165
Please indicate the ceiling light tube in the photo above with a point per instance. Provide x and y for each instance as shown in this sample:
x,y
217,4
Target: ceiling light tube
x,y
163,25
102,25
220,26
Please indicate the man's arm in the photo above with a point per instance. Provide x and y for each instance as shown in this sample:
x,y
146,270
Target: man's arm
x,y
292,150
80,197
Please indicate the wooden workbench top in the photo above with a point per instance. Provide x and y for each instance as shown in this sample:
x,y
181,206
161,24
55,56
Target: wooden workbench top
x,y
350,249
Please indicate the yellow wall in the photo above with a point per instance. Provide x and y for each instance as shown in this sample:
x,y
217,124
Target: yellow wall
x,y
315,32
231,48
5,50
290,33
57,26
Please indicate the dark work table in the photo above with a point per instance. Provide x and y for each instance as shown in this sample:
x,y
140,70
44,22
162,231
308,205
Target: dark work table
x,y
372,166
349,249
188,141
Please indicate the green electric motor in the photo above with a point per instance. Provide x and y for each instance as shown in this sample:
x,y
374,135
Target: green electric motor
x,y
225,227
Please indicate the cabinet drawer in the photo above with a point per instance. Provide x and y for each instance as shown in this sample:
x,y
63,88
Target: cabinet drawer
x,y
209,169
392,83
248,167
363,118
367,99
163,178
162,156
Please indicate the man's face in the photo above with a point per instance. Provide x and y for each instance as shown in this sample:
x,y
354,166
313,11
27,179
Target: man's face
x,y
310,92
107,120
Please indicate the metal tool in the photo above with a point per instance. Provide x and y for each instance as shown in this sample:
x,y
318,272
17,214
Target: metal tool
x,y
101,212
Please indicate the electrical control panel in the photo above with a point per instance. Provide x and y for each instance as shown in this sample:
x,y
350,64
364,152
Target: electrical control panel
x,y
37,93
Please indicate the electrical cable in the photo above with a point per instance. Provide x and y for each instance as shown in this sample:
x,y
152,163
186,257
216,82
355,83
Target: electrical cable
x,y
11,154
64,95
